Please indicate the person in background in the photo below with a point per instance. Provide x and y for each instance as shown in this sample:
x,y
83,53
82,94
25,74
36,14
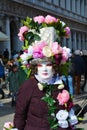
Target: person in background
x,y
6,53
2,77
9,64
16,59
84,56
14,83
2,93
79,70
3,66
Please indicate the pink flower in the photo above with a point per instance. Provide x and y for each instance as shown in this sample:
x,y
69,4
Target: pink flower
x,y
64,56
56,48
37,52
67,29
50,19
22,30
39,19
21,38
63,97
28,65
8,125
26,51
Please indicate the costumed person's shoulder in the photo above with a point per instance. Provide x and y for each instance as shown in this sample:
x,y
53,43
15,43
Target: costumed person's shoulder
x,y
26,89
28,84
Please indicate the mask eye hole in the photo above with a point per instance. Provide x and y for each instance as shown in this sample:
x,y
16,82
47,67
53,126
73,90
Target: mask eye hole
x,y
39,65
49,64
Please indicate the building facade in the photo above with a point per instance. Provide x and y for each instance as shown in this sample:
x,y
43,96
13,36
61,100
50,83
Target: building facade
x,y
73,12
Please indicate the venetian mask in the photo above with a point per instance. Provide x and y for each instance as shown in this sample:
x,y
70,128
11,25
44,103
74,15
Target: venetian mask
x,y
45,70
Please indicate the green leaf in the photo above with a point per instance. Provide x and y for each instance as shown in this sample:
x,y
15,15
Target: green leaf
x,y
55,126
29,72
37,37
29,35
6,128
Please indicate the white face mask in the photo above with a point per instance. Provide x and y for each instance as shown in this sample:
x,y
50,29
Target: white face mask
x,y
45,70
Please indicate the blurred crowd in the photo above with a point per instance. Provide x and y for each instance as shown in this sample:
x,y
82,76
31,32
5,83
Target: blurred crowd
x,y
12,76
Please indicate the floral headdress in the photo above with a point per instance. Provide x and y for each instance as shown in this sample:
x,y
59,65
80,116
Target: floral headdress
x,y
41,36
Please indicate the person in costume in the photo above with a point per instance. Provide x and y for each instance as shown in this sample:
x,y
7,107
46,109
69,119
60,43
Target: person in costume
x,y
43,101
40,97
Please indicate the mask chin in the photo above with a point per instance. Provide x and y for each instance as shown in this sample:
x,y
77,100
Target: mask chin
x,y
45,77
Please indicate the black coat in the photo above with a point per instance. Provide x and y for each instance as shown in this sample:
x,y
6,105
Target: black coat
x,y
79,65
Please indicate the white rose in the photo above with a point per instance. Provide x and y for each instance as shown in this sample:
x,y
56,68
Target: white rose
x,y
73,119
47,51
63,124
62,115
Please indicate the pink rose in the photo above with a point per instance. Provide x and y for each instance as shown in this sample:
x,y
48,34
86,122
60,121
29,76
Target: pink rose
x,y
63,97
50,19
67,29
39,19
56,48
37,50
38,54
22,30
64,56
21,38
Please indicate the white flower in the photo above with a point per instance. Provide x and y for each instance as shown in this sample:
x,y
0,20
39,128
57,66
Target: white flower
x,y
73,119
68,50
62,115
47,51
71,112
48,34
25,62
24,56
40,86
63,23
61,86
63,124
30,51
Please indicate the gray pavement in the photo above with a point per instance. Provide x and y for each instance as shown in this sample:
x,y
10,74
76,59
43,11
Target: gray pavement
x,y
79,100
7,112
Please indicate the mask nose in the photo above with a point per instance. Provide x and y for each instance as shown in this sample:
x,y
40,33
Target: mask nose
x,y
44,68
